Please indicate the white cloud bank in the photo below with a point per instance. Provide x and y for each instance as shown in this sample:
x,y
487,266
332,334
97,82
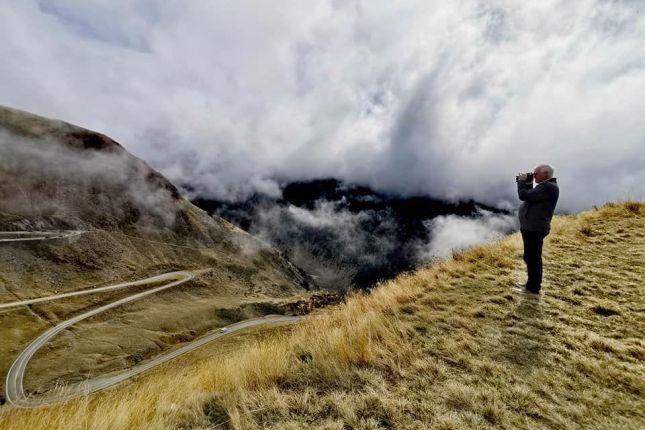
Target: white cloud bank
x,y
450,233
443,98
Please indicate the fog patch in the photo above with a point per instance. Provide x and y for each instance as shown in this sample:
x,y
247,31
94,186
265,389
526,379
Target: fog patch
x,y
338,248
452,233
47,178
249,245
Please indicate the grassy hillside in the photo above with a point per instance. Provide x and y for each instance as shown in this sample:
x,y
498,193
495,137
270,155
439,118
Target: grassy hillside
x,y
55,175
445,347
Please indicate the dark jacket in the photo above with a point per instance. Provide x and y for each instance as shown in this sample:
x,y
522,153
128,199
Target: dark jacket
x,y
539,203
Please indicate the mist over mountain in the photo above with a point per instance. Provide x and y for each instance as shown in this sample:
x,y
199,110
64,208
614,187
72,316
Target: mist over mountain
x,y
55,175
350,236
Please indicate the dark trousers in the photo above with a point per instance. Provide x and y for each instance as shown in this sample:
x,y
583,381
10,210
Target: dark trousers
x,y
533,258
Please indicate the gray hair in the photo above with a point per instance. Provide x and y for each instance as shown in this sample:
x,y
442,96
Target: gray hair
x,y
547,169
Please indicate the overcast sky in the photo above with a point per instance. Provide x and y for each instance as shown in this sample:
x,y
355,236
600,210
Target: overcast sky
x,y
446,98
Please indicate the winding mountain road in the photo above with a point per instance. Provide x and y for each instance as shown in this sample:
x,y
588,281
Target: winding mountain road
x,y
27,236
15,393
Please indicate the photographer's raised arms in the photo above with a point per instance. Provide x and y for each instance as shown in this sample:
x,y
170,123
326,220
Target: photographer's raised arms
x,y
535,215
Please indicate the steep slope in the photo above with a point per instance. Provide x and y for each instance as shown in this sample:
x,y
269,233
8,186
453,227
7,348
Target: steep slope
x,y
446,347
56,176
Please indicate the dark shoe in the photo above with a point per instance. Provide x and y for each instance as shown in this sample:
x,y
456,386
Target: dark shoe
x,y
521,289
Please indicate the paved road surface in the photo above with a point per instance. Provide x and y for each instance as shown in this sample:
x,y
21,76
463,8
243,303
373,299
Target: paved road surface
x,y
27,236
15,392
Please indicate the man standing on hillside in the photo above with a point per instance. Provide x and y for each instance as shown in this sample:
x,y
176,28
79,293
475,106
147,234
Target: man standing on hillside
x,y
535,216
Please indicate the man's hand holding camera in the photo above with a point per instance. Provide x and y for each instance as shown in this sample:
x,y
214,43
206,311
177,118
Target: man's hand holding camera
x,y
524,177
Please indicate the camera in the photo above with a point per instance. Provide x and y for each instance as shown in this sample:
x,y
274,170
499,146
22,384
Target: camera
x,y
529,177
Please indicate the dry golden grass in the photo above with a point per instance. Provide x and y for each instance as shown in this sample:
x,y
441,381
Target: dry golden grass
x,y
446,347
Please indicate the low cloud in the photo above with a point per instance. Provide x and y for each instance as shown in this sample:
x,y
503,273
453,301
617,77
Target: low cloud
x,y
338,247
47,180
453,233
449,99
